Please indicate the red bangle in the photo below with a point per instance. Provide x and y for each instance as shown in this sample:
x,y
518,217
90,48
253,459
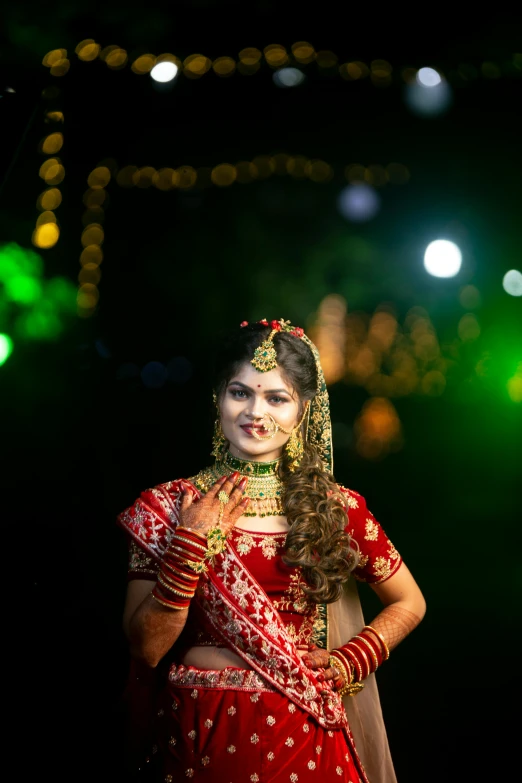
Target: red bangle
x,y
361,656
377,650
357,668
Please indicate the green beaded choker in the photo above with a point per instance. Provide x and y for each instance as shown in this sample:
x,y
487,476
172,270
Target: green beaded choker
x,y
250,468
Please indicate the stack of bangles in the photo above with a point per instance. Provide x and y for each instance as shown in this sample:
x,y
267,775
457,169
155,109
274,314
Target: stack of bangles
x,y
181,567
361,656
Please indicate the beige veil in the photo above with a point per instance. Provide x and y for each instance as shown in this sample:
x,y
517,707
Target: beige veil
x,y
345,617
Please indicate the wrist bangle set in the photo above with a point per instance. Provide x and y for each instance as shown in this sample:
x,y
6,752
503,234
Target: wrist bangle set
x,y
364,653
181,567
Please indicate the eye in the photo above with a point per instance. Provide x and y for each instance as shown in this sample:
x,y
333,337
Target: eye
x,y
237,392
278,399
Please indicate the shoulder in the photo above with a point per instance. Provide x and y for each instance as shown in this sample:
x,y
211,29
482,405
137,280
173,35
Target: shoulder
x,y
153,517
351,498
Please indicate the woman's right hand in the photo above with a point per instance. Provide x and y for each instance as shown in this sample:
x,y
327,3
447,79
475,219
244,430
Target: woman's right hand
x,y
202,514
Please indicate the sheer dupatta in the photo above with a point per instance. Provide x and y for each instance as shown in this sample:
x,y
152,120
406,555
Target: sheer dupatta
x,y
345,619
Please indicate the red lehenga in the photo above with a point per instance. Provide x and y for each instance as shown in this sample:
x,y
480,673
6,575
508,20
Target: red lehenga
x,y
271,721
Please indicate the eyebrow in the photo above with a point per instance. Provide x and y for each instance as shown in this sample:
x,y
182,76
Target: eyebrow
x,y
267,391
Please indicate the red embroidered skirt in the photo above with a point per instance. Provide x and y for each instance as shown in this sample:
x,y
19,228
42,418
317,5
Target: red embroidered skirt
x,y
230,726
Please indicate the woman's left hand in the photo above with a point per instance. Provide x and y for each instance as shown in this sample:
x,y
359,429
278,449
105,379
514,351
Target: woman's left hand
x,y
317,658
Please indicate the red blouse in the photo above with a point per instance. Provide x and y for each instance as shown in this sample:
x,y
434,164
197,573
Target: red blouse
x,y
151,519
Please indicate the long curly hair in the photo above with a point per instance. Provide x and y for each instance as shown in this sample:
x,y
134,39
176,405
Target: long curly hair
x,y
314,508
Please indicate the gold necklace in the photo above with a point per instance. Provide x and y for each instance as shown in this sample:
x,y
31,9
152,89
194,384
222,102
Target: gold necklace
x,y
264,486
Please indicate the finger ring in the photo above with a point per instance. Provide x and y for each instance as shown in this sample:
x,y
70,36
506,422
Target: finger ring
x,y
223,497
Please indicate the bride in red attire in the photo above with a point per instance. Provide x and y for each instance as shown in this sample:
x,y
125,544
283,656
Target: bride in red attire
x,y
251,659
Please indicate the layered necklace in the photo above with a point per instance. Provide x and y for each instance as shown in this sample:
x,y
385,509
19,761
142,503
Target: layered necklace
x,y
264,486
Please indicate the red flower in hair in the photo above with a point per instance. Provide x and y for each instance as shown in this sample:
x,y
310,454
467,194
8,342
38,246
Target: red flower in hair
x,y
275,325
297,332
263,321
244,323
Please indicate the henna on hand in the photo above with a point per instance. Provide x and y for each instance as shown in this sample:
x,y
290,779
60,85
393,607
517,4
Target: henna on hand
x,y
202,514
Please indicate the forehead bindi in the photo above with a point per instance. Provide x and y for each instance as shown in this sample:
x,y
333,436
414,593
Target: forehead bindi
x,y
249,376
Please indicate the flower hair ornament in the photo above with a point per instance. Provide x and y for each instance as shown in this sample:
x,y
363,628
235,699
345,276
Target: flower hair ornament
x,y
318,429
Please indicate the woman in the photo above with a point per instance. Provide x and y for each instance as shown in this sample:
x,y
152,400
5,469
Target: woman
x,y
242,604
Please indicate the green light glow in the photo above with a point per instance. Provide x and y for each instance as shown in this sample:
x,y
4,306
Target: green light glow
x,y
6,348
23,290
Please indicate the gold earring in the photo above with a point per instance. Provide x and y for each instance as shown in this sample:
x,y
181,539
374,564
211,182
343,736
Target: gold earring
x,y
219,442
294,448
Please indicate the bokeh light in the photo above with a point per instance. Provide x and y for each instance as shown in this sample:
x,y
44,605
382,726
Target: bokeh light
x,y
49,199
428,77
6,348
442,258
514,385
179,370
164,72
358,203
52,143
512,282
470,297
288,77
46,236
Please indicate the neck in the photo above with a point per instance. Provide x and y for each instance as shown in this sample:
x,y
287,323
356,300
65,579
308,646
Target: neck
x,y
249,467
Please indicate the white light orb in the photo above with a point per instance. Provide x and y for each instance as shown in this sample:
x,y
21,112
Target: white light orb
x,y
442,258
358,202
288,77
428,77
164,72
512,282
428,101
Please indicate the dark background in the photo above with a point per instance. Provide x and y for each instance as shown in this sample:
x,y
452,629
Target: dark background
x,y
82,432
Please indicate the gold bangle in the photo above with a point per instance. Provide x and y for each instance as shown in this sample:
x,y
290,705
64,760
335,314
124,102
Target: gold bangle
x,y
191,530
355,661
364,656
370,648
169,606
177,584
173,590
381,637
198,566
336,662
177,537
349,665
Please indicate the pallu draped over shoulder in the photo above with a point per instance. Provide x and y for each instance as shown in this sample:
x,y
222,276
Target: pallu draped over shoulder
x,y
271,721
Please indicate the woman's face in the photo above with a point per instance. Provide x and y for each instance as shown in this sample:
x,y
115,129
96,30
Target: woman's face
x,y
246,399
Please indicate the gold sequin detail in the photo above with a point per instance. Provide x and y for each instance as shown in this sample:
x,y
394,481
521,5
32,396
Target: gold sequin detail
x,y
270,720
254,739
231,749
306,728
205,760
194,694
254,697
270,756
311,765
339,770
291,707
372,530
254,778
189,773
232,710
294,777
209,723
192,734
289,741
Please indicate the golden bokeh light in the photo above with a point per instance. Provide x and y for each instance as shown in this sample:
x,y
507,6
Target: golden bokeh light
x,y
433,383
224,66
143,64
303,52
376,175
46,217
88,50
382,331
92,235
125,176
94,197
353,71
326,59
88,296
319,171
117,59
264,166
61,67
89,273
53,57
49,199
275,55
143,178
381,73
250,56
99,177
224,175
377,429
54,116
196,65
296,166
186,177
52,144
163,179
92,254
354,172
46,236
52,171
329,335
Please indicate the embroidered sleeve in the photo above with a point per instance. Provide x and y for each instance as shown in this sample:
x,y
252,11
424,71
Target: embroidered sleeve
x,y
141,565
378,558
153,517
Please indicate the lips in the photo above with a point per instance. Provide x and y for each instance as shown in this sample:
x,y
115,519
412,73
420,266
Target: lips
x,y
249,427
